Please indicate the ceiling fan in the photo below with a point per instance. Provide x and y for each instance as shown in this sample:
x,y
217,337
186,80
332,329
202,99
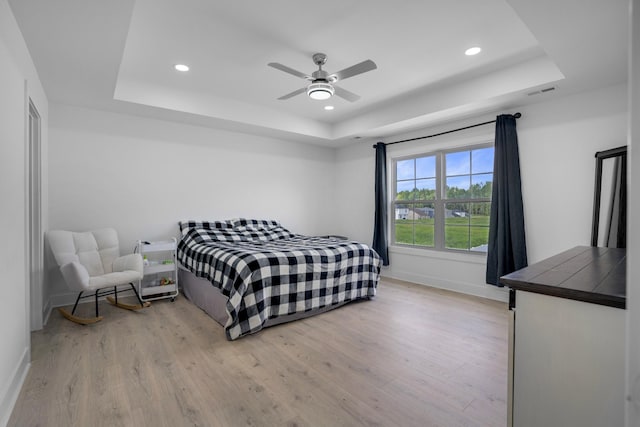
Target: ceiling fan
x,y
321,86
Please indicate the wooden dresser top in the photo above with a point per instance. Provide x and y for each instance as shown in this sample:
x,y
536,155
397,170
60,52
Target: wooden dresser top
x,y
584,273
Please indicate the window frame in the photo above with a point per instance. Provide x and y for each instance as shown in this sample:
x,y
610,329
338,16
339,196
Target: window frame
x,y
439,201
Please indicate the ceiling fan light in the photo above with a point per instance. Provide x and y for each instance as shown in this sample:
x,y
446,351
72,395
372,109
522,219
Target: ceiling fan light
x,y
320,91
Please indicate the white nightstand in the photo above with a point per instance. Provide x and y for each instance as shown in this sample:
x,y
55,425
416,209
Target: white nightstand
x,y
160,270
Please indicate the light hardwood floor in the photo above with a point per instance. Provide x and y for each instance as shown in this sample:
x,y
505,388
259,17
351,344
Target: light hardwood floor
x,y
413,356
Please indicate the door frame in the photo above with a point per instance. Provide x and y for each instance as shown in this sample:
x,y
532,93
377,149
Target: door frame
x,y
35,241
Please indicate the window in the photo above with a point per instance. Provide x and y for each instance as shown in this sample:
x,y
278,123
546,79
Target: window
x,y
442,200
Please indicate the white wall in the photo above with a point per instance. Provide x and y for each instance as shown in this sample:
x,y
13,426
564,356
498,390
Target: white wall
x,y
557,139
141,176
18,83
558,142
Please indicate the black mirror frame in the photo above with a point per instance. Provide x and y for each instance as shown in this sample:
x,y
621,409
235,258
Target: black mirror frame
x,y
600,156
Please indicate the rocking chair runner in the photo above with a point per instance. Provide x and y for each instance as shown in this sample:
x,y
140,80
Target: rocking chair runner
x,y
91,262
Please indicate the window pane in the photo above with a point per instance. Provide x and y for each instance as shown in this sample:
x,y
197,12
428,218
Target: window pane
x,y
426,167
404,232
456,237
403,225
456,226
423,227
414,224
479,238
458,163
405,169
402,211
457,187
482,160
479,231
404,190
481,186
456,214
480,214
426,189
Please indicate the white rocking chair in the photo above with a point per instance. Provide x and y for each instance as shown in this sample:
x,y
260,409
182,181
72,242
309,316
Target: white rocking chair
x,y
91,262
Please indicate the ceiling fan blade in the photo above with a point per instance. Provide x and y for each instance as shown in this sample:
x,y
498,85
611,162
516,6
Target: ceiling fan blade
x,y
343,93
354,70
294,93
286,69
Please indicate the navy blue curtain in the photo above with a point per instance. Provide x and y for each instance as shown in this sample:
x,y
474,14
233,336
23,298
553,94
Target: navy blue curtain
x,y
380,236
507,251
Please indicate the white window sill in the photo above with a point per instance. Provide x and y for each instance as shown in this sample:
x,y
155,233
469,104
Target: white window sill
x,y
471,258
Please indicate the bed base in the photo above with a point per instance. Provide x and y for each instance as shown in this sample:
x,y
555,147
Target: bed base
x,y
211,300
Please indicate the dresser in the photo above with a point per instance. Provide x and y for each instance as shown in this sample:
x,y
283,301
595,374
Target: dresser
x,y
567,340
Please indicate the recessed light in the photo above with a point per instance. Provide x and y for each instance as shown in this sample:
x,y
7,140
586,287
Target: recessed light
x,y
328,107
181,67
472,51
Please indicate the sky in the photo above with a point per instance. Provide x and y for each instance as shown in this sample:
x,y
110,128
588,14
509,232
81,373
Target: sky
x,y
462,169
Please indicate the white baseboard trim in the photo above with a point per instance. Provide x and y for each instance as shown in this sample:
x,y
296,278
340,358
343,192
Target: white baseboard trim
x,y
486,291
62,300
11,393
69,298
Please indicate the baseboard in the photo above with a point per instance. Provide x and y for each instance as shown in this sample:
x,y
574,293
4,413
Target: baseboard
x,y
62,300
11,393
69,298
486,291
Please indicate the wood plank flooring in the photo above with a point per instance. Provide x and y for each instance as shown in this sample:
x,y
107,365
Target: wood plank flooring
x,y
413,356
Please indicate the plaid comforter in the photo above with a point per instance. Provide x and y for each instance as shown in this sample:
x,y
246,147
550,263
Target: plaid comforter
x,y
266,271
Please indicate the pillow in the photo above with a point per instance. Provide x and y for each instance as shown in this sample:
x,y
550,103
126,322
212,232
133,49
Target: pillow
x,y
254,224
200,235
205,225
274,233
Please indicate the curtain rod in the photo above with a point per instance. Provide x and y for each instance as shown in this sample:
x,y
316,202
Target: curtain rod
x,y
516,115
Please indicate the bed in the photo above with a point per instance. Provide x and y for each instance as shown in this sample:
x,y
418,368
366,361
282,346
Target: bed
x,y
249,274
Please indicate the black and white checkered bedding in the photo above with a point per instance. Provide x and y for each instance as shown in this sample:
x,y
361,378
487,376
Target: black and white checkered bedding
x,y
266,271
